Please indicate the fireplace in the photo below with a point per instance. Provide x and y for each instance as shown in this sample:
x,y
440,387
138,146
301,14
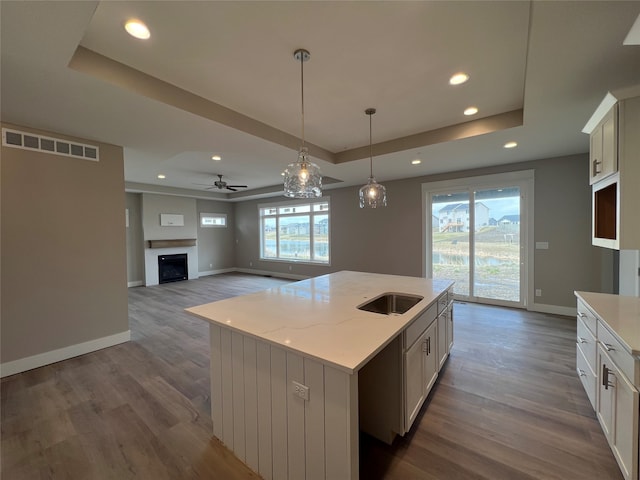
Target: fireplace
x,y
172,268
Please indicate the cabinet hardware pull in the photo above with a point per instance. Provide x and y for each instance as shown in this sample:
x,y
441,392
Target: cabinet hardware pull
x,y
605,377
596,165
608,347
582,315
582,340
581,373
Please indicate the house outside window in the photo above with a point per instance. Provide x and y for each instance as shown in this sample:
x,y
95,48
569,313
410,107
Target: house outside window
x,y
295,232
213,220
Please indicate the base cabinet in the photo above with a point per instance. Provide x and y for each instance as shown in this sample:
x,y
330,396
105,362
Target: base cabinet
x,y
394,385
610,372
421,370
617,400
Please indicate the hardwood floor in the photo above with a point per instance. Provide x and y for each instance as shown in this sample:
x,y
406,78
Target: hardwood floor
x,y
508,404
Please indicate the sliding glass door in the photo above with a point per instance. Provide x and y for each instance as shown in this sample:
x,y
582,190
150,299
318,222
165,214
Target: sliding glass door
x,y
450,233
476,237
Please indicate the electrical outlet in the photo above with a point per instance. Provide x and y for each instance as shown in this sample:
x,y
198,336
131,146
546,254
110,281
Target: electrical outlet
x,y
300,390
211,265
251,264
538,292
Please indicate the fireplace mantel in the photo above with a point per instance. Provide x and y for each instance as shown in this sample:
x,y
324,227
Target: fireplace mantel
x,y
185,242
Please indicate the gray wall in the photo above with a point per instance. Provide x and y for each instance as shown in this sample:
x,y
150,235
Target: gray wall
x,y
135,238
64,276
153,205
216,245
390,240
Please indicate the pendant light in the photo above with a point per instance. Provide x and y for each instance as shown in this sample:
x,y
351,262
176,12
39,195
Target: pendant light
x,y
302,179
372,195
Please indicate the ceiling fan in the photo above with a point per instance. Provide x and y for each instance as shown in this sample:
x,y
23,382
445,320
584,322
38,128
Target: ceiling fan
x,y
221,185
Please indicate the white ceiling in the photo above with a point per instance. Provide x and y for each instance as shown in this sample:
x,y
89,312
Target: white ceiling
x,y
554,60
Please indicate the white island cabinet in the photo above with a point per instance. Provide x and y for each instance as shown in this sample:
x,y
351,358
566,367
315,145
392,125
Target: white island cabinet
x,y
292,370
608,363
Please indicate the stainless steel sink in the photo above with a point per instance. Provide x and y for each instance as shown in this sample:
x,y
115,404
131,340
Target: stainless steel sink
x,y
391,303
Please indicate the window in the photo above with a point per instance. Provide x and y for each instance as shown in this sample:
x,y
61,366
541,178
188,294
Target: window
x,y
213,219
295,232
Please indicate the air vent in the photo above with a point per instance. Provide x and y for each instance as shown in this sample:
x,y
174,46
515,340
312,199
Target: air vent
x,y
29,141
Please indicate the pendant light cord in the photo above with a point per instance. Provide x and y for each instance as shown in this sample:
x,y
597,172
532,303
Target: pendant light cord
x,y
302,93
370,149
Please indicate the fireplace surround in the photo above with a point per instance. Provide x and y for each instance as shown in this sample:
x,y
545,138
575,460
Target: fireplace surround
x,y
156,248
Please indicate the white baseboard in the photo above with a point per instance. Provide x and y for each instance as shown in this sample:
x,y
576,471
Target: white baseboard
x,y
46,358
216,272
137,283
553,309
289,276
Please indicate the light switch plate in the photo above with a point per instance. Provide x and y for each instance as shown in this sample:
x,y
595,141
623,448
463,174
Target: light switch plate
x,y
542,245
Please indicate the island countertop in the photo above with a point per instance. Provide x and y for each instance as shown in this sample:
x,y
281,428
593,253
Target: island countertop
x,y
620,313
319,317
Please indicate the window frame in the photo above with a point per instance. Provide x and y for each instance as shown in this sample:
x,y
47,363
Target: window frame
x,y
278,213
204,215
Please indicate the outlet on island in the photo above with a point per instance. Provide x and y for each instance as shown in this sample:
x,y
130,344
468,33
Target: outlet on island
x,y
300,390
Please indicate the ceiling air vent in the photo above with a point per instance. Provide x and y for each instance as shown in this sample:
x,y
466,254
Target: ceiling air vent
x,y
30,141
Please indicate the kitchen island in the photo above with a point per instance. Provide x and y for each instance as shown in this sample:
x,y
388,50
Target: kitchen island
x,y
285,367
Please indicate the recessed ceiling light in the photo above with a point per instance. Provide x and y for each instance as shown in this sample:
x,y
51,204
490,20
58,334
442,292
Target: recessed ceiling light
x,y
417,161
217,158
137,29
471,111
458,78
510,144
161,176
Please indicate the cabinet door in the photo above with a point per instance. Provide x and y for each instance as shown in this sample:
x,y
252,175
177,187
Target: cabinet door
x,y
606,400
431,357
443,340
603,148
414,371
618,415
595,155
450,327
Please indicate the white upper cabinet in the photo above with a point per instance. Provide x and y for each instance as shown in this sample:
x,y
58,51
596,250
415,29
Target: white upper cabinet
x,y
603,152
614,170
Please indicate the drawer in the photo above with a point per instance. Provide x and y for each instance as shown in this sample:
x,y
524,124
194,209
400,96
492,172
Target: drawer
x,y
587,377
419,325
443,301
587,317
586,342
623,359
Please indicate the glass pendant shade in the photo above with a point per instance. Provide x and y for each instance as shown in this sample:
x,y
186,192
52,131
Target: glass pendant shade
x,y
373,195
302,179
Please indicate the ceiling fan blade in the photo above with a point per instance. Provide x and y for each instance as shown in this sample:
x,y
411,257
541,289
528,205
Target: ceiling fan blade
x,y
232,189
237,186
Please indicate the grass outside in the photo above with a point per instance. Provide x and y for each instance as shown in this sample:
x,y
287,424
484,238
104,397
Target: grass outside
x,y
497,261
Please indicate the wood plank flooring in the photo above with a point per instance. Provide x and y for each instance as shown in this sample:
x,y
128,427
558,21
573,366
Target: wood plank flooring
x,y
508,404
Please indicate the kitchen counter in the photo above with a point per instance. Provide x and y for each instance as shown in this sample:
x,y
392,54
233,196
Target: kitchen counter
x,y
620,313
319,317
292,368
